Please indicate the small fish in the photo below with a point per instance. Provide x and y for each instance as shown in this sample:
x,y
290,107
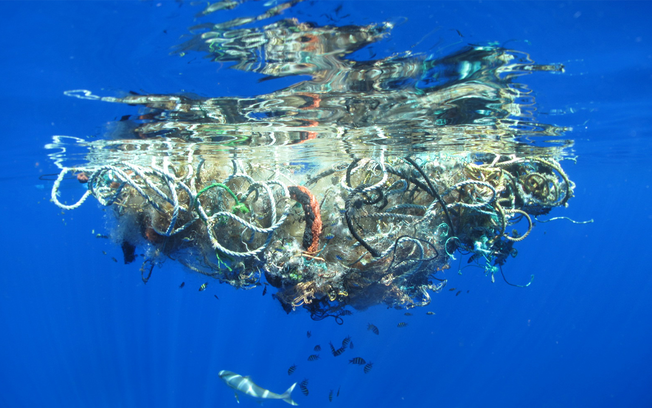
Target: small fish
x,y
308,334
338,392
216,297
182,284
313,357
357,360
346,341
373,329
203,287
368,368
104,252
451,289
351,345
317,348
402,324
114,260
292,369
474,257
467,291
265,290
407,314
304,387
329,236
458,292
101,236
346,313
430,313
339,351
330,396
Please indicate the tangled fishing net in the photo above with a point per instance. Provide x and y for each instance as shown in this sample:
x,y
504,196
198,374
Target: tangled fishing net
x,y
426,157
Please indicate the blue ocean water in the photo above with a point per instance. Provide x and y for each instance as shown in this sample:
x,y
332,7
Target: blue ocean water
x,y
81,330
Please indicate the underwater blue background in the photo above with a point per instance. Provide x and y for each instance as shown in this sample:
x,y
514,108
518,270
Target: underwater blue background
x,y
80,330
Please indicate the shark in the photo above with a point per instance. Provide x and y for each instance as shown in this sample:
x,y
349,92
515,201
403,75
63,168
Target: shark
x,y
245,385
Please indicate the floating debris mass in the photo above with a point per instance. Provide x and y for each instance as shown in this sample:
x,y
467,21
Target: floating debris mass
x,y
426,156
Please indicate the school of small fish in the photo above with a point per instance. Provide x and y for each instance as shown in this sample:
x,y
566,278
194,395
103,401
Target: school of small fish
x,y
346,343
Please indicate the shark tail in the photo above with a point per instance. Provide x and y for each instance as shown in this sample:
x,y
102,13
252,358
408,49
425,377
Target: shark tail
x,y
287,397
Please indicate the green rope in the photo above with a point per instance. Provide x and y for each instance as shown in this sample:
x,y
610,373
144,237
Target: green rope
x,y
221,262
238,207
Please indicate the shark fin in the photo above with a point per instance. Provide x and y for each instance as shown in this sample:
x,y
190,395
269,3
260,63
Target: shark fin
x,y
287,397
